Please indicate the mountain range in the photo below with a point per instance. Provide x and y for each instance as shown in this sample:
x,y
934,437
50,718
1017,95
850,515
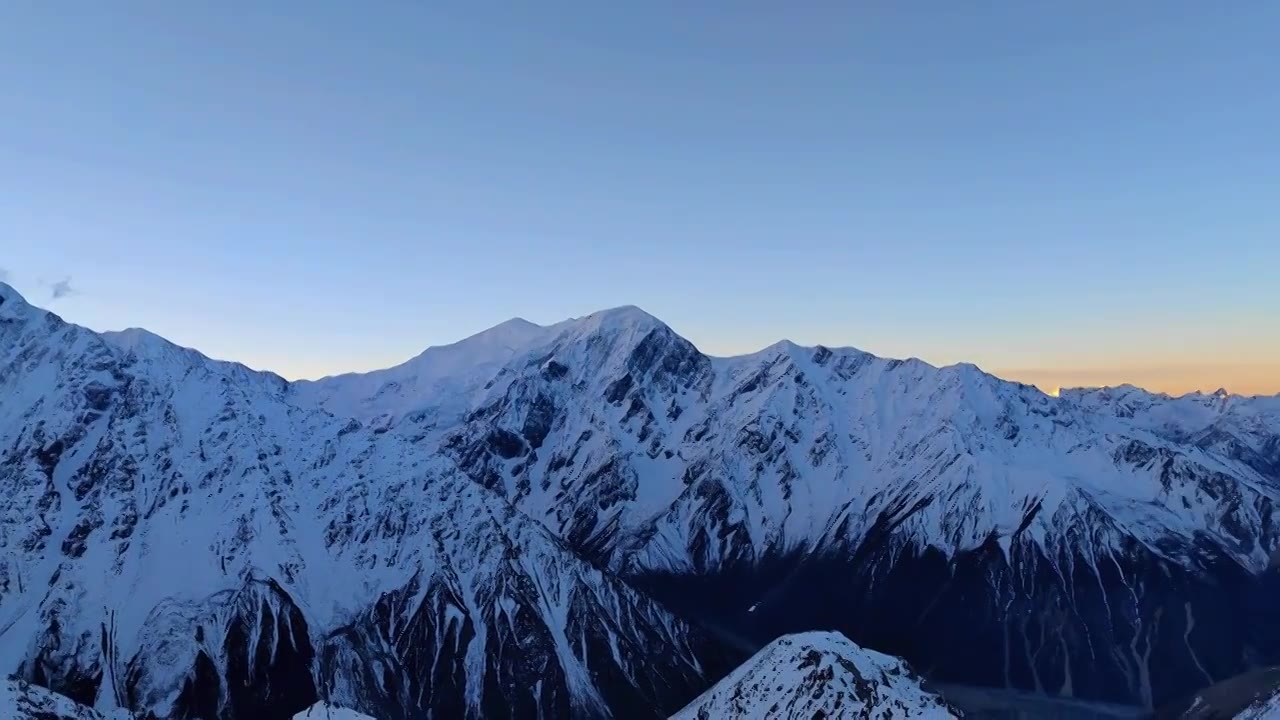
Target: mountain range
x,y
594,518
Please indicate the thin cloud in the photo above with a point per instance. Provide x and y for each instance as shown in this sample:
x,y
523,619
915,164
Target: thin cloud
x,y
61,289
4,275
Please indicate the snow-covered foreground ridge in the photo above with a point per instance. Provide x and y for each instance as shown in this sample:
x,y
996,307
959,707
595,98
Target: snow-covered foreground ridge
x,y
1268,709
325,711
818,675
24,701
416,537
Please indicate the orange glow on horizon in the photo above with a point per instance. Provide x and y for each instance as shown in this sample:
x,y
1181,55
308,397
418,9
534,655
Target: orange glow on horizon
x,y
1173,380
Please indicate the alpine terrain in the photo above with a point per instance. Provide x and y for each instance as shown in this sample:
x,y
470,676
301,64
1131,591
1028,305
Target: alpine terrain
x,y
594,518
181,538
1107,544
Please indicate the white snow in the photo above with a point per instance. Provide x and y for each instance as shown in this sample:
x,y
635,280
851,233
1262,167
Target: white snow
x,y
818,674
23,701
1267,709
843,436
325,711
345,488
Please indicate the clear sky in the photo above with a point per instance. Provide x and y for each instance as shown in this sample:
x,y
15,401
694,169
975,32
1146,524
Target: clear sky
x,y
1065,193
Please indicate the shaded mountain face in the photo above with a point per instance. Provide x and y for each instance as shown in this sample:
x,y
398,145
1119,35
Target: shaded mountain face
x,y
818,675
178,536
1102,545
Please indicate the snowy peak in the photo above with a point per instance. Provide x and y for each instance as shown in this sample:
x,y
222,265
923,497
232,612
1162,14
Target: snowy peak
x,y
444,383
8,293
504,339
437,384
12,304
818,675
148,344
1234,425
622,318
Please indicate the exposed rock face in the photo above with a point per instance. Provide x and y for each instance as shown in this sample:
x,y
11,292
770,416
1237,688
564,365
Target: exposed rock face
x,y
818,675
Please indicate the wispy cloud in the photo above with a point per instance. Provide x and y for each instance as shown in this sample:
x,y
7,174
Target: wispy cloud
x,y
61,289
4,275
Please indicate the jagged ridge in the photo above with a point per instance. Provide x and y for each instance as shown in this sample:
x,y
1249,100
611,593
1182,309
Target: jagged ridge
x,y
917,508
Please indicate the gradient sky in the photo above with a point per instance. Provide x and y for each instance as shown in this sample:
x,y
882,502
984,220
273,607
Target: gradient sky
x,y
1064,193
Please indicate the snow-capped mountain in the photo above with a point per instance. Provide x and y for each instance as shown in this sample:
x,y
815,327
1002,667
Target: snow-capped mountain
x,y
482,528
1245,428
436,386
1091,545
179,537
818,675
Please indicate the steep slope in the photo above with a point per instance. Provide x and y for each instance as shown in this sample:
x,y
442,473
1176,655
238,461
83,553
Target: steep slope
x,y
178,537
1067,548
818,675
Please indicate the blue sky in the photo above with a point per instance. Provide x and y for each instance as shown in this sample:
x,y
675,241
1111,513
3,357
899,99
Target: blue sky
x,y
1064,193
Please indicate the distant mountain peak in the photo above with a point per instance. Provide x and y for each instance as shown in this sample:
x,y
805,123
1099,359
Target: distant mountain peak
x,y
136,337
512,334
623,313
